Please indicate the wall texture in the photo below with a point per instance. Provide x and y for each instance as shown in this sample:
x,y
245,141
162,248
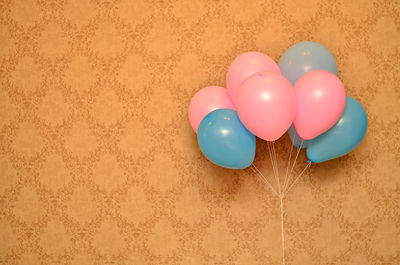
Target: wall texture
x,y
98,162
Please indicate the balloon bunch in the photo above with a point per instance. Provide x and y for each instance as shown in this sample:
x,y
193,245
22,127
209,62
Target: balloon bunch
x,y
301,94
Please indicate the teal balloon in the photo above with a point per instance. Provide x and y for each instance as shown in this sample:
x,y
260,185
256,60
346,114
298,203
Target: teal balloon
x,y
295,138
304,57
225,141
343,137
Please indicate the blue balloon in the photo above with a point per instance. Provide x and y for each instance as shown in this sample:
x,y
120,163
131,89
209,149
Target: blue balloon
x,y
343,137
225,141
295,138
304,57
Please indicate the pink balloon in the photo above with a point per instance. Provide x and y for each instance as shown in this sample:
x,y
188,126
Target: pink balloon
x,y
244,66
205,101
320,103
266,105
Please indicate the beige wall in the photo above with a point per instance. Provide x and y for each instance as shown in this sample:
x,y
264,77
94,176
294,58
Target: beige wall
x,y
99,164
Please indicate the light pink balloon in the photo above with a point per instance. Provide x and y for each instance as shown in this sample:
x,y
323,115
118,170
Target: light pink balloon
x,y
266,105
244,66
205,101
320,103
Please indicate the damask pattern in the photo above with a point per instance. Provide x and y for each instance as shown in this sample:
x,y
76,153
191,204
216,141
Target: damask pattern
x,y
99,164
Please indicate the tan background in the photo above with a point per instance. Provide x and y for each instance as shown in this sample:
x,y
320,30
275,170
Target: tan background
x,y
99,164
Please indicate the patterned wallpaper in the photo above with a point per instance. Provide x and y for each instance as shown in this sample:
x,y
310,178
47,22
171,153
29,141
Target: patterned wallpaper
x,y
99,164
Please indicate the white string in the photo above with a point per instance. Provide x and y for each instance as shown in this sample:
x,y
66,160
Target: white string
x,y
272,161
298,177
271,147
281,193
287,180
270,156
288,163
294,163
273,165
282,211
263,178
276,166
282,230
261,175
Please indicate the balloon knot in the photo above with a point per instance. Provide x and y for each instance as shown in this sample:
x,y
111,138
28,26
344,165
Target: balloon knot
x,y
309,161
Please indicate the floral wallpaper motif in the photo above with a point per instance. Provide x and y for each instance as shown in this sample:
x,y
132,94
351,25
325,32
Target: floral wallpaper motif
x,y
99,164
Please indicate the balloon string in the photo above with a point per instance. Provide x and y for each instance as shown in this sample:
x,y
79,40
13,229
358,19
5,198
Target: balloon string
x,y
281,193
287,180
282,229
294,163
276,166
272,161
287,168
298,177
281,197
261,175
263,178
273,165
272,152
290,157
